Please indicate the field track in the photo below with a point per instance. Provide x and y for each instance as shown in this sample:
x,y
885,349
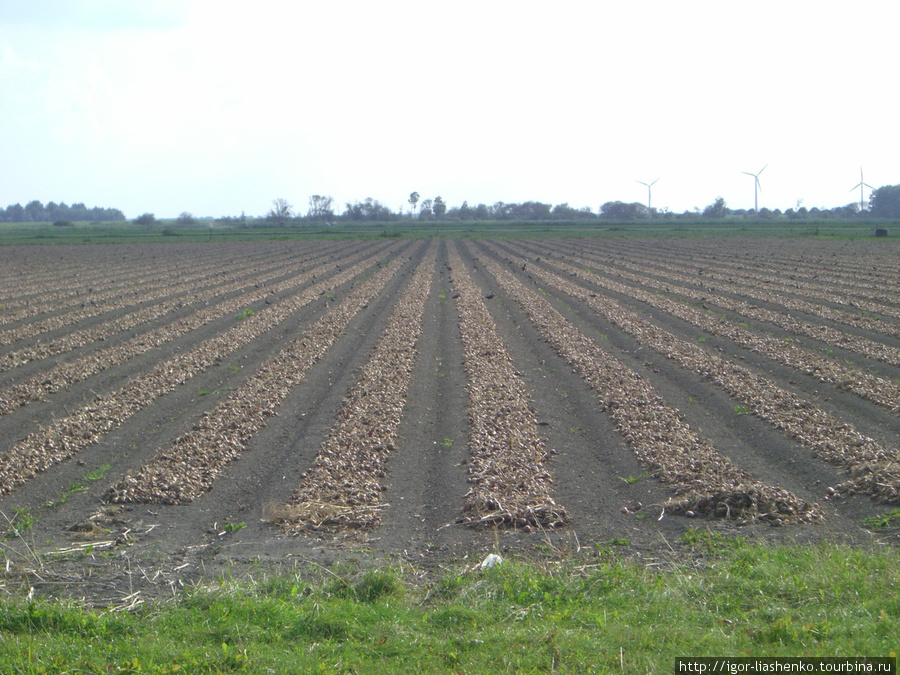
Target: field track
x,y
178,409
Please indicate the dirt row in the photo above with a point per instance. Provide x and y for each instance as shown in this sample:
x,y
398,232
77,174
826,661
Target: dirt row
x,y
704,479
507,455
786,351
834,440
387,407
771,288
64,375
65,437
344,486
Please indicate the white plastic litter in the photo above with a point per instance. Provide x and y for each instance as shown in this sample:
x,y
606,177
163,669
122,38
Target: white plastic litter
x,y
490,561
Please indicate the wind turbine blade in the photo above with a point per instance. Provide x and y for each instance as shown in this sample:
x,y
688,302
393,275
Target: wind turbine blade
x,y
869,186
761,170
653,183
749,174
855,186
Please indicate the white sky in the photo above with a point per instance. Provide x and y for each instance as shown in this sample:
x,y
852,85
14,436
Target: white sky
x,y
218,107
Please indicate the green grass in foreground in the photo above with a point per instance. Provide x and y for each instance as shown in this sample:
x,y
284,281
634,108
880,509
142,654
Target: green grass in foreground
x,y
595,616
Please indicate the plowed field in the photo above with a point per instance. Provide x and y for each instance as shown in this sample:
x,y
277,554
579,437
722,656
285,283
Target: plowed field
x,y
169,411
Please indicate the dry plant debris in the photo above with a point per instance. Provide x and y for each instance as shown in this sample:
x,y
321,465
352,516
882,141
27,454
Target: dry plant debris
x,y
343,488
511,485
704,480
831,371
64,375
63,438
830,438
194,460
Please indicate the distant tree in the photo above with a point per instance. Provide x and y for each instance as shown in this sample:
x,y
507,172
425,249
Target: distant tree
x,y
321,208
62,223
413,201
438,207
622,211
145,219
370,210
186,218
885,202
281,211
847,211
718,209
425,210
35,212
529,211
566,212
481,212
501,210
15,213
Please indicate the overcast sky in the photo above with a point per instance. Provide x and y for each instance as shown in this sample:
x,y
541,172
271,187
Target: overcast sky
x,y
217,107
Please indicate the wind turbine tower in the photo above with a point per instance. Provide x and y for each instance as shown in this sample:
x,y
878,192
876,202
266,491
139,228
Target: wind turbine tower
x,y
756,187
649,192
861,185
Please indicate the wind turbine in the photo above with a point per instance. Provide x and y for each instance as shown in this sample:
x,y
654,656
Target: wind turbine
x,y
756,186
861,185
649,192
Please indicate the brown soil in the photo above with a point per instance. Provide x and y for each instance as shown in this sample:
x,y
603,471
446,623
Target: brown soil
x,y
78,545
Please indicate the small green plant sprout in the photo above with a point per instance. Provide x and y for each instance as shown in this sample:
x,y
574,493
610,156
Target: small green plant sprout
x,y
233,527
204,392
701,338
618,541
21,522
98,473
882,521
630,480
447,443
741,410
243,315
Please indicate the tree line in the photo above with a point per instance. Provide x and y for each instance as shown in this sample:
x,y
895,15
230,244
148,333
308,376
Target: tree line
x,y
883,203
36,212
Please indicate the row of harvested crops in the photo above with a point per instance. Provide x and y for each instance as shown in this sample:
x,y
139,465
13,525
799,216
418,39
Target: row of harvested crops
x,y
65,374
172,297
63,438
509,465
786,351
344,487
703,478
875,468
507,456
189,467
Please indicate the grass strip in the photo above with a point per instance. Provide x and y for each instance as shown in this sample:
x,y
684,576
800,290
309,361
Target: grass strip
x,y
595,614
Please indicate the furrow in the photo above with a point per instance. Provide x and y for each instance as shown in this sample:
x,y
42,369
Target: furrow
x,y
65,437
64,375
704,480
343,487
828,437
511,485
